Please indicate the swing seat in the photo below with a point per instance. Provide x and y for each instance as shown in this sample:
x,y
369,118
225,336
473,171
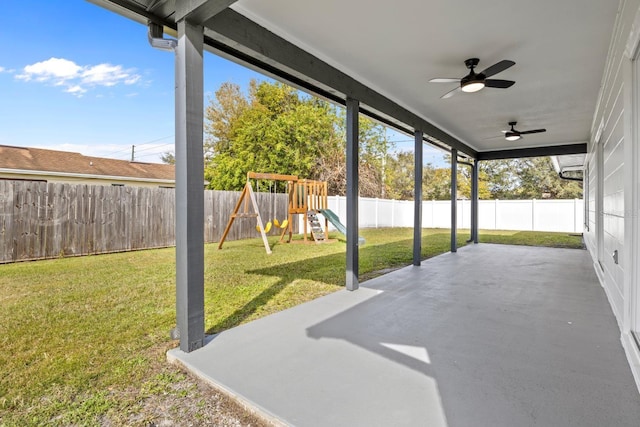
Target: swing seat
x,y
267,227
281,225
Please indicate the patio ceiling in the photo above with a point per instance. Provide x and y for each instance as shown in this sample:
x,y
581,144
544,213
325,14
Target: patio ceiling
x,y
394,48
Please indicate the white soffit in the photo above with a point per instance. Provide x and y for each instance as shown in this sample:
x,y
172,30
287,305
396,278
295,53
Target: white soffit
x,y
560,50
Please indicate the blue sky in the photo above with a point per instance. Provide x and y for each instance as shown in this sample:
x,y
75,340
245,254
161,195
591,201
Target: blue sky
x,y
76,77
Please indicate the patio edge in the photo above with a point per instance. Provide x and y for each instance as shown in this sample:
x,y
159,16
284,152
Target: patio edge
x,y
246,404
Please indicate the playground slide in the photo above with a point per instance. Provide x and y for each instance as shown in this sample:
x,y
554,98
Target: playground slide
x,y
333,219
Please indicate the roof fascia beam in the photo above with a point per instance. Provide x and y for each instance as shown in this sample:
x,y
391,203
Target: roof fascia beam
x,y
200,11
554,150
236,28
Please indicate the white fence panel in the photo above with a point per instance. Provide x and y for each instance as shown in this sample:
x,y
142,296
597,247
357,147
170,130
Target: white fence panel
x,y
367,217
464,214
538,215
403,213
441,214
385,212
487,214
514,215
557,215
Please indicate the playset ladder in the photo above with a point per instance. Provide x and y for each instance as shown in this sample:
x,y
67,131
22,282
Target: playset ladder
x,y
318,234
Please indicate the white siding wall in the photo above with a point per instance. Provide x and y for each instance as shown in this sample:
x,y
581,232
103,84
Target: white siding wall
x,y
609,128
613,161
590,200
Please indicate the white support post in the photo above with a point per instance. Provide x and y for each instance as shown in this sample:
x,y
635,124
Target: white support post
x,y
189,126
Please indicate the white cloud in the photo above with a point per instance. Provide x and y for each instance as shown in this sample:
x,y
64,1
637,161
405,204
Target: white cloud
x,y
2,69
77,79
56,69
77,90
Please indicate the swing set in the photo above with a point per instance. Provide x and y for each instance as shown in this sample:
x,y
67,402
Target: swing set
x,y
305,196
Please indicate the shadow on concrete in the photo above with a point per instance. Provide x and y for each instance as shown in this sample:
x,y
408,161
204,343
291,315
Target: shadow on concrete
x,y
327,269
510,335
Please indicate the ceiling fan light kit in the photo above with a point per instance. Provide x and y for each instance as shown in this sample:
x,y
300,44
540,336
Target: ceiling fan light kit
x,y
514,135
471,87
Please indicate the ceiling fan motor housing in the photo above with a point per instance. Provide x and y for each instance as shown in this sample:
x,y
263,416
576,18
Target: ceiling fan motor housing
x,y
472,63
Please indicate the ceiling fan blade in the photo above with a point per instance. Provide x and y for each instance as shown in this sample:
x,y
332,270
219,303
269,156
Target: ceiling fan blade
x,y
526,132
444,81
501,84
498,68
450,93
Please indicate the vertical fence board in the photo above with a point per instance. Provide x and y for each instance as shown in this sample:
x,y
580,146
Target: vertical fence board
x,y
20,219
6,221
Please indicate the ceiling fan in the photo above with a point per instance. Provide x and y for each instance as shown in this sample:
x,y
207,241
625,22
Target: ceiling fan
x,y
474,82
514,135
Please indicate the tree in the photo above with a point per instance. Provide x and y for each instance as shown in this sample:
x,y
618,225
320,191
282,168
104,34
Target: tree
x,y
400,175
538,179
221,116
276,129
168,158
436,183
464,183
527,178
501,177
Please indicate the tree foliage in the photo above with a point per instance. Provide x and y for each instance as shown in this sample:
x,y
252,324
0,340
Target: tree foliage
x,y
277,130
274,128
527,178
400,175
530,178
168,158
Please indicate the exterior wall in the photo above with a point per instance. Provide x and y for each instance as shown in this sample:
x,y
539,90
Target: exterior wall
x,y
606,164
88,180
591,177
611,163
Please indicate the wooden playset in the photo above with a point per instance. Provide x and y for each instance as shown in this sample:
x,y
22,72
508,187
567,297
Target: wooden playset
x,y
306,197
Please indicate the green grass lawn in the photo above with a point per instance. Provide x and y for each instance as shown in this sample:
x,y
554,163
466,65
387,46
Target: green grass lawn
x,y
83,339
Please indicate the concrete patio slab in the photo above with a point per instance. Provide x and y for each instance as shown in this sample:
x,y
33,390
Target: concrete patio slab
x,y
494,335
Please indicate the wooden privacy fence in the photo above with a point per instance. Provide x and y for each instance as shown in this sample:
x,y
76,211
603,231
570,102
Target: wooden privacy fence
x,y
47,220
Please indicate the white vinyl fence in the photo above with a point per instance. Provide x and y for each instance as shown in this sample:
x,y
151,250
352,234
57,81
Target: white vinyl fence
x,y
533,215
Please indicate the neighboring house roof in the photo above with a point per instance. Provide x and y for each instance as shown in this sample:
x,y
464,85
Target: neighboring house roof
x,y
39,161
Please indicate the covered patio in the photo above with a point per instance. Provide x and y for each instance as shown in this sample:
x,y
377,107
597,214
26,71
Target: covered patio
x,y
496,336
491,336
